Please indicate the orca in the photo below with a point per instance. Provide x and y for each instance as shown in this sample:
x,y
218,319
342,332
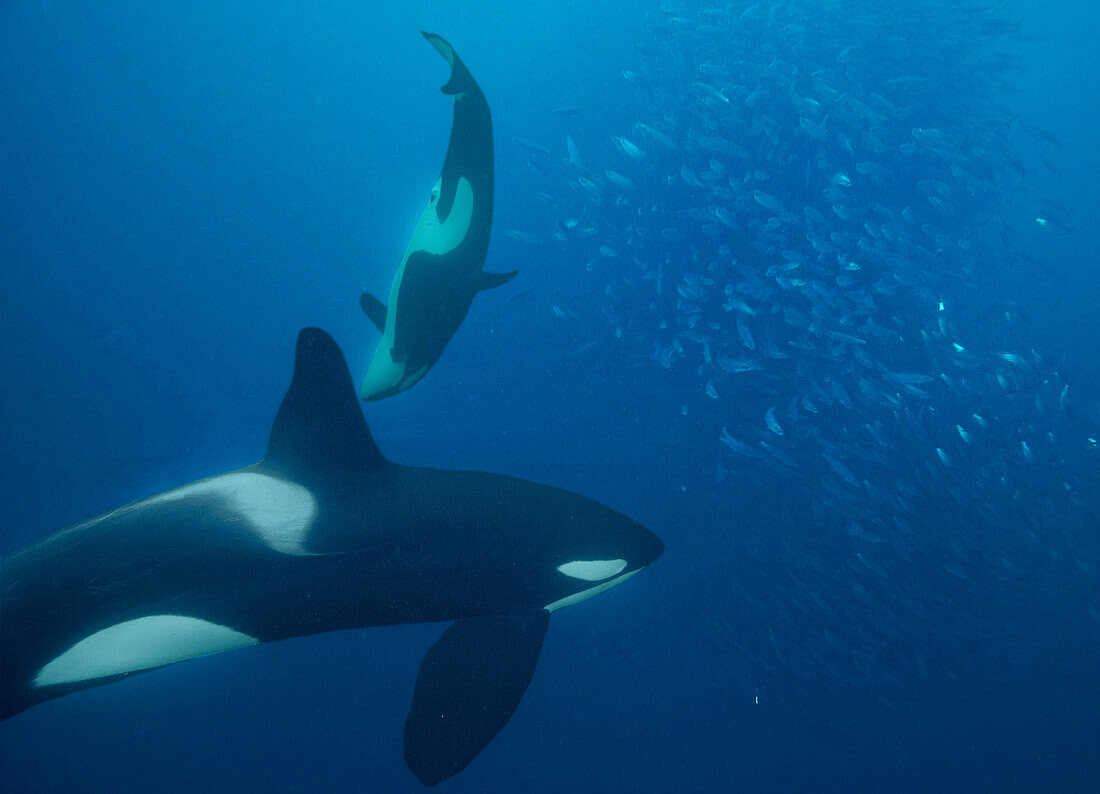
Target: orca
x,y
441,270
323,533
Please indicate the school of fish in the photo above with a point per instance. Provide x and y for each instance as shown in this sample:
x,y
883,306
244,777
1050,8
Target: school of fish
x,y
795,228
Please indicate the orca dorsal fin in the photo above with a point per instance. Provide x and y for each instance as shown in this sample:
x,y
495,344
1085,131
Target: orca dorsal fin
x,y
319,426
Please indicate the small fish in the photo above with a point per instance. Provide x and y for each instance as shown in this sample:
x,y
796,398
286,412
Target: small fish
x,y
840,336
689,176
767,201
656,135
530,145
574,158
772,422
739,447
591,188
744,333
812,128
872,566
629,149
710,92
843,471
618,179
737,365
778,454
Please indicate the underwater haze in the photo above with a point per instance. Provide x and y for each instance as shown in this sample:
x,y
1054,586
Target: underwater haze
x,y
807,287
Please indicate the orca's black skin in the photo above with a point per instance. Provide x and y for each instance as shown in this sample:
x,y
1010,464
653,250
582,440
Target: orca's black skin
x,y
441,270
387,544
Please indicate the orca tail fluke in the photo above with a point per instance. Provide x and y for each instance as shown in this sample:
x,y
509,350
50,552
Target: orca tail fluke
x,y
461,80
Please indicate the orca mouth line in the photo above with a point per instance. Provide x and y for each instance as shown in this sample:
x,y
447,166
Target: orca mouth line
x,y
584,595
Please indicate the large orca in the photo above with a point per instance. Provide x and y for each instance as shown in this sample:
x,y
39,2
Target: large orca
x,y
441,270
323,533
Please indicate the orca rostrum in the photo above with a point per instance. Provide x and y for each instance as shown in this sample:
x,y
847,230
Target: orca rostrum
x,y
440,273
324,533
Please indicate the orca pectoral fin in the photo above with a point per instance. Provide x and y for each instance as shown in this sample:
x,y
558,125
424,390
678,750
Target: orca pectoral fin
x,y
468,686
374,309
490,280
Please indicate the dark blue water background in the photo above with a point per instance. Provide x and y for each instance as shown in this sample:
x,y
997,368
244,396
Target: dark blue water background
x,y
183,188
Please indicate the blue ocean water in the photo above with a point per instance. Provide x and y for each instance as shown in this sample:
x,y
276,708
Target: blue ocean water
x,y
897,201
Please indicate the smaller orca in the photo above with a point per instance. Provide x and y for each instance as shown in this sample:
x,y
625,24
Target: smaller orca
x,y
441,270
324,533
